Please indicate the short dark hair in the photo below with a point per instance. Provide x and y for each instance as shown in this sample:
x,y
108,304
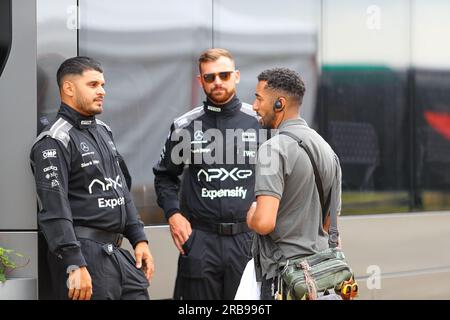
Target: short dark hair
x,y
212,55
76,65
286,80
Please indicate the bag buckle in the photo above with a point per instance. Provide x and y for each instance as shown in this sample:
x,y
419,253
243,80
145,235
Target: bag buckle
x,y
348,289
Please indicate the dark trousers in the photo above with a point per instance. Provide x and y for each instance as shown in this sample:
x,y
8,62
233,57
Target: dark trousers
x,y
268,288
212,266
113,272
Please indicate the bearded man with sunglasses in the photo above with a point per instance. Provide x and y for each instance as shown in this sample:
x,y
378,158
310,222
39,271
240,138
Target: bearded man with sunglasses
x,y
207,221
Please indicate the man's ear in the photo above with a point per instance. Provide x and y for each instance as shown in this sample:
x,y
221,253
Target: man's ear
x,y
68,88
199,80
283,100
238,76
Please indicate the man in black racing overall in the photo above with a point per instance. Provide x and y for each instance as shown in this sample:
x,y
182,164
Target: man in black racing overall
x,y
217,142
85,207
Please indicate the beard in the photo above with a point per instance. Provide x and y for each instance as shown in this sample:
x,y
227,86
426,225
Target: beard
x,y
88,107
267,121
220,95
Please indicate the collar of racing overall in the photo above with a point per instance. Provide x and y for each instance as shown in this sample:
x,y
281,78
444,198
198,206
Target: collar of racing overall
x,y
75,118
229,108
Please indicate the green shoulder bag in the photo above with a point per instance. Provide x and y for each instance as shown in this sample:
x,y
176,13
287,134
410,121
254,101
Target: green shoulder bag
x,y
304,277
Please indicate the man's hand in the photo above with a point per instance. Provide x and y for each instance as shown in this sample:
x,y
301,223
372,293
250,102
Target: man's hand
x,y
142,254
262,217
80,284
180,228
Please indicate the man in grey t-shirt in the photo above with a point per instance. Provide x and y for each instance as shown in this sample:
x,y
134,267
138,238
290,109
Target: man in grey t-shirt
x,y
287,216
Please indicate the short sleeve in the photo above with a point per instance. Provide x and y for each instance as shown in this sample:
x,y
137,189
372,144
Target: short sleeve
x,y
270,171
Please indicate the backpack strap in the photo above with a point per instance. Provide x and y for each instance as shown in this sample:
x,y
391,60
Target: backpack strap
x,y
333,231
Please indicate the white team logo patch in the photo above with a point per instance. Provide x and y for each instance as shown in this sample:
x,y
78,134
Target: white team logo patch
x,y
237,192
49,153
84,146
201,150
249,153
90,163
110,203
51,175
86,122
215,109
198,135
110,183
249,136
52,168
223,174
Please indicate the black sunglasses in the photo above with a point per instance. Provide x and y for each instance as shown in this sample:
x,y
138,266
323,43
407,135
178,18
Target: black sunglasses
x,y
224,76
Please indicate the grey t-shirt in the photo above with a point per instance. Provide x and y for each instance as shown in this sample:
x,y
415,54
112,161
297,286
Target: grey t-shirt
x,y
284,171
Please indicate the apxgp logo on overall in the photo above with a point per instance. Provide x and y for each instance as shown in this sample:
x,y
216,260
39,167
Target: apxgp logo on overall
x,y
223,174
105,185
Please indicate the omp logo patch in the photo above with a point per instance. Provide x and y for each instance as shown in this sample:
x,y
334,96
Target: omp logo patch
x,y
49,153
